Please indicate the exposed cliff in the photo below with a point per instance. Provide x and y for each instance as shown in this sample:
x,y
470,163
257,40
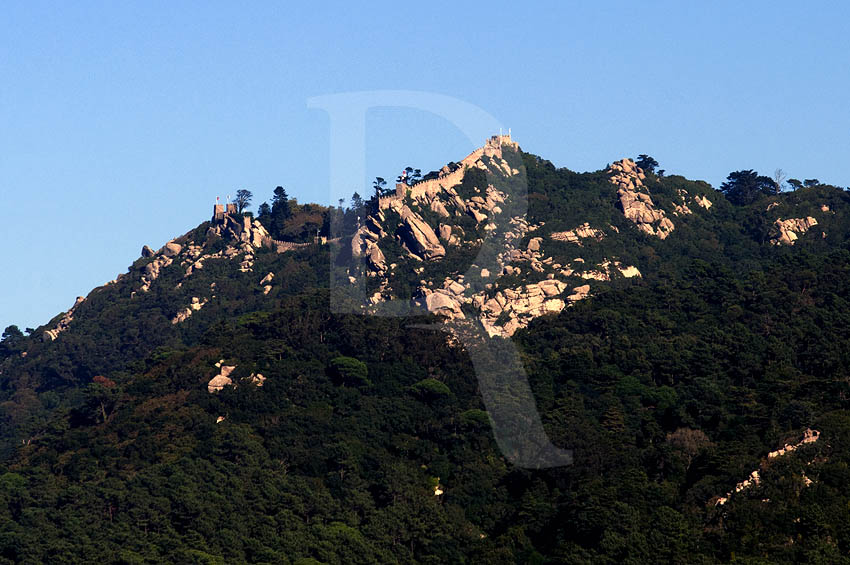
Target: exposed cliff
x,y
636,202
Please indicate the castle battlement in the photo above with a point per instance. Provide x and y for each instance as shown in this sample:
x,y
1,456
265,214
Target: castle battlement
x,y
220,211
498,141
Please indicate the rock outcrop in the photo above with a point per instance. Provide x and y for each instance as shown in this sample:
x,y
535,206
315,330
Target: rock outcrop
x,y
64,322
421,218
575,235
439,195
364,243
683,208
418,237
187,312
809,436
194,257
152,270
222,379
244,237
376,260
443,303
242,229
786,231
171,249
512,309
605,269
506,311
579,293
441,188
635,200
702,201
247,263
266,283
628,271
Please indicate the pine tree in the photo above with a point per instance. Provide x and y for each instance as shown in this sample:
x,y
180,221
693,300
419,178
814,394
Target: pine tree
x,y
264,211
281,212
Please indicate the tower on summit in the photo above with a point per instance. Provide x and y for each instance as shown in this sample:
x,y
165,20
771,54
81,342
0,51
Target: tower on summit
x,y
222,210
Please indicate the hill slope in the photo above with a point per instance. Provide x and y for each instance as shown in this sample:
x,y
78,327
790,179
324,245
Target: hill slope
x,y
211,405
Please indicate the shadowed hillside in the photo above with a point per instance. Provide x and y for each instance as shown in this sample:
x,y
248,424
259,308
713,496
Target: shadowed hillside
x,y
210,406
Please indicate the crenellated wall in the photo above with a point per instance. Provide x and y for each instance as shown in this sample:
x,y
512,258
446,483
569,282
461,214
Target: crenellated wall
x,y
429,188
282,246
220,211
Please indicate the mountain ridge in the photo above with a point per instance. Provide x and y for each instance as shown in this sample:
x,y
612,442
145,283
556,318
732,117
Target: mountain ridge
x,y
366,439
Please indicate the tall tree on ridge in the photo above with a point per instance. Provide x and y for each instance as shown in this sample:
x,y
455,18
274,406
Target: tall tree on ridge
x,y
744,187
647,163
264,212
281,211
243,199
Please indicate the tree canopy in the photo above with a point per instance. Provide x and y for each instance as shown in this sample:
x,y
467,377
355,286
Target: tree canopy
x,y
280,212
647,163
746,186
368,440
243,199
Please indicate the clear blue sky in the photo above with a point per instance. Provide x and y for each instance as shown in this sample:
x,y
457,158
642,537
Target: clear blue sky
x,y
120,122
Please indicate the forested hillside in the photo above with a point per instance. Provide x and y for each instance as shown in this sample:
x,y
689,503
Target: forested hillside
x,y
714,329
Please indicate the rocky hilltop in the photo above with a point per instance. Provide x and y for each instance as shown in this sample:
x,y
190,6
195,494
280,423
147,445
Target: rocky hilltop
x,y
229,239
478,240
225,400
527,265
525,277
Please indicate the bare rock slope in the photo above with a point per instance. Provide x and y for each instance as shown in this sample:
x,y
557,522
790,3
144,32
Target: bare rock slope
x,y
521,278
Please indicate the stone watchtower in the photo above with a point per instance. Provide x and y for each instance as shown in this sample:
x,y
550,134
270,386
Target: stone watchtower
x,y
220,211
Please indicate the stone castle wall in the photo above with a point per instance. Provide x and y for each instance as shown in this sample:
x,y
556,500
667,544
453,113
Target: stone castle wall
x,y
243,225
282,246
220,211
428,188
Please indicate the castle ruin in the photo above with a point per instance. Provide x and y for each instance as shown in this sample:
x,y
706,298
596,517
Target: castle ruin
x,y
448,176
228,222
220,211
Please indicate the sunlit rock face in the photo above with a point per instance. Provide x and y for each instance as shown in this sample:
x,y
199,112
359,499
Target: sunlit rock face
x,y
430,220
635,200
787,232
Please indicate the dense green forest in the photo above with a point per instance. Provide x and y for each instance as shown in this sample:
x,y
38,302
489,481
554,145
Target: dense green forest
x,y
670,390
